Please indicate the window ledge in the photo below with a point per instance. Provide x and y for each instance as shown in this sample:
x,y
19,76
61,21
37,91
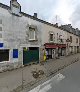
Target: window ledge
x,y
31,40
51,41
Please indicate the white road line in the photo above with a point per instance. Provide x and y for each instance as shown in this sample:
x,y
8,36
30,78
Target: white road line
x,y
46,88
47,84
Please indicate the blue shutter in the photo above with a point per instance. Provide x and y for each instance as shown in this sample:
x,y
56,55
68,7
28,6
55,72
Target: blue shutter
x,y
15,53
1,44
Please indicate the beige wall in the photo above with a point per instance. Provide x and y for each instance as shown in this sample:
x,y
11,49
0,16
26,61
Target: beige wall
x,y
73,39
47,29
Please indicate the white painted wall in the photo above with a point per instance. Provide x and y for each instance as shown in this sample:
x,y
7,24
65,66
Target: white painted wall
x,y
15,30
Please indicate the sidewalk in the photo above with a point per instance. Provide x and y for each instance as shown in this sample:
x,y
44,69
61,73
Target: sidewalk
x,y
13,79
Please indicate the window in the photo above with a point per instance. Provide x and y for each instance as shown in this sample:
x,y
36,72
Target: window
x,y
71,39
57,37
51,37
0,28
31,33
4,55
76,40
0,21
0,35
61,38
15,53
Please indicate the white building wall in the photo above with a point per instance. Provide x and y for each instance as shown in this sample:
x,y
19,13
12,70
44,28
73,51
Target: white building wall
x,y
15,29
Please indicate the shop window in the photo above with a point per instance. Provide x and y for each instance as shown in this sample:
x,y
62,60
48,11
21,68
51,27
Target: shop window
x,y
31,33
15,53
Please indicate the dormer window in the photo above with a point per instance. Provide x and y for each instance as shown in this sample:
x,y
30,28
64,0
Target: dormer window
x,y
15,7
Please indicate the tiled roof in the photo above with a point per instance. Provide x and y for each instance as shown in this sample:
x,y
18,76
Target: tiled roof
x,y
4,6
37,19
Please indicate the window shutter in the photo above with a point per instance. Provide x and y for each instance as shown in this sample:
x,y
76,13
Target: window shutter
x,y
15,53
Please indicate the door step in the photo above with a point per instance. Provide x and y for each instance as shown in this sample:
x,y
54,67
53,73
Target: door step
x,y
32,63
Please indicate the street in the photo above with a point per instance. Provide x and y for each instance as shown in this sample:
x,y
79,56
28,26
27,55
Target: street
x,y
67,80
12,80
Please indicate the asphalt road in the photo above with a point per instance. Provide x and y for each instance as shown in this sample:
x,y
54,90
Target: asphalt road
x,y
67,80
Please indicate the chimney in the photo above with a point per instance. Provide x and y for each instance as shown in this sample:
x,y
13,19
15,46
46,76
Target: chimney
x,y
56,25
15,7
35,15
69,24
14,0
77,29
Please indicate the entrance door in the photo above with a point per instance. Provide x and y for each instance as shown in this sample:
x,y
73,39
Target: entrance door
x,y
31,55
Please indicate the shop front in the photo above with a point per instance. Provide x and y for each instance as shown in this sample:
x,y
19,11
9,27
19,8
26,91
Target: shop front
x,y
55,50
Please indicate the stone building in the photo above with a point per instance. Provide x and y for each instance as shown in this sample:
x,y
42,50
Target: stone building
x,y
25,38
73,36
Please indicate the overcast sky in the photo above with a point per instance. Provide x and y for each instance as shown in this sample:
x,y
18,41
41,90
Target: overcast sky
x,y
62,11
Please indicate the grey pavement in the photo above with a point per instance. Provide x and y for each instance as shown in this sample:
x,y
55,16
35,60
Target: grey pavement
x,y
11,80
67,80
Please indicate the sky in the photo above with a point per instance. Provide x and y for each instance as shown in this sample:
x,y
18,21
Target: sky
x,y
60,11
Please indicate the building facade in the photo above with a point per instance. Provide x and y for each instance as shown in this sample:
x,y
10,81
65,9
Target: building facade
x,y
24,38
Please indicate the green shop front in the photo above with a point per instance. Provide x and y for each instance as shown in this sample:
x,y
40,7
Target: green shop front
x,y
30,55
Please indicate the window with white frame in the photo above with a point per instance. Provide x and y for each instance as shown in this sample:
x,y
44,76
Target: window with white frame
x,y
31,33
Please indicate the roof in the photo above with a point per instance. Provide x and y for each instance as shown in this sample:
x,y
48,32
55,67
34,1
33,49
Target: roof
x,y
70,29
37,19
34,18
27,15
4,6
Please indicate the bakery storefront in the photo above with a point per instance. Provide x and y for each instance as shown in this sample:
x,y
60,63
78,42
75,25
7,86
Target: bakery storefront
x,y
55,50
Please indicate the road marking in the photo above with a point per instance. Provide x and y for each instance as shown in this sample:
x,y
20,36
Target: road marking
x,y
47,85
59,77
46,88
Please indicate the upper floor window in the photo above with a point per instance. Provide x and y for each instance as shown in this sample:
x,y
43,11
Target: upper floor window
x,y
61,38
76,40
51,37
71,39
0,35
57,37
31,33
0,21
0,28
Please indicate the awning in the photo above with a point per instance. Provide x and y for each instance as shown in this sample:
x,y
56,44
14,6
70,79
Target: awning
x,y
49,45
